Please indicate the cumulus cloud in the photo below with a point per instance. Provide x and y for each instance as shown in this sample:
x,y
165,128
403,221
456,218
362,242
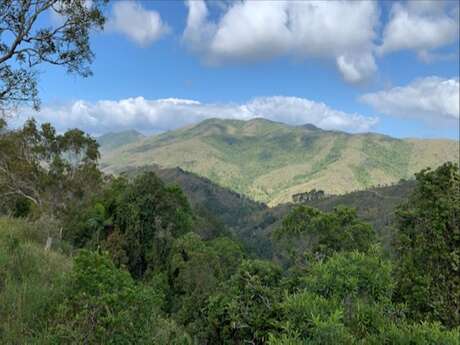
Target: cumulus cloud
x,y
420,25
171,113
432,98
342,31
137,23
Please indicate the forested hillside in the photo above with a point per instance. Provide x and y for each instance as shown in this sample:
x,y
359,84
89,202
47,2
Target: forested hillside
x,y
270,161
168,257
252,222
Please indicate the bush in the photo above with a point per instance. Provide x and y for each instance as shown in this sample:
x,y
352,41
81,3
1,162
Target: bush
x,y
103,305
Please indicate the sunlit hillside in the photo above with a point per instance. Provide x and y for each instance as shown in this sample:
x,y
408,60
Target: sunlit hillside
x,y
270,161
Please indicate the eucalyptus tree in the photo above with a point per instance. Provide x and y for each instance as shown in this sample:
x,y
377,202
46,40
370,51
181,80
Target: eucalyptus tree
x,y
27,40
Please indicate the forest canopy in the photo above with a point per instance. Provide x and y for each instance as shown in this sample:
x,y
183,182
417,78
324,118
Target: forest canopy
x,y
96,259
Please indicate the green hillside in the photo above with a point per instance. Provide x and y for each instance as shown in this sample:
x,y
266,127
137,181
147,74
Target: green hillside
x,y
376,206
252,223
221,208
270,161
112,141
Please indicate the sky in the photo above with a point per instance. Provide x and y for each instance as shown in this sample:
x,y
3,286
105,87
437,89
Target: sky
x,y
371,66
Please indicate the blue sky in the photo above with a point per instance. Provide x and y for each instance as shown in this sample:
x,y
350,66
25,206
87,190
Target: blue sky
x,y
389,67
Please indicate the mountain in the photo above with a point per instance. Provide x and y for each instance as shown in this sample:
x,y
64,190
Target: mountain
x,y
270,161
207,198
112,141
221,209
375,206
252,222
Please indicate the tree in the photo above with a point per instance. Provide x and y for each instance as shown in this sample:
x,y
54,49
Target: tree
x,y
26,43
194,275
428,246
246,309
308,234
104,305
346,299
197,270
137,221
53,172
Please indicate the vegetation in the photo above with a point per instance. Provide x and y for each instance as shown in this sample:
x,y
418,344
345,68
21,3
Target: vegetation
x,y
307,234
164,256
125,260
111,141
25,43
43,170
428,246
270,162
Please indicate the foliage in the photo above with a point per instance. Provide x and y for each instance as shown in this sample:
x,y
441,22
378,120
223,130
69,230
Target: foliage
x,y
50,171
136,221
31,280
352,275
150,215
147,273
346,299
26,43
308,234
245,311
428,245
196,269
416,334
104,305
269,161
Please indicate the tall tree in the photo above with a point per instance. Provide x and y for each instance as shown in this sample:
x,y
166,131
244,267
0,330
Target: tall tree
x,y
429,246
49,170
25,42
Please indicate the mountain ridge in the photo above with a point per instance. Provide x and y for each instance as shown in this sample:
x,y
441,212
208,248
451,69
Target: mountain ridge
x,y
270,161
112,140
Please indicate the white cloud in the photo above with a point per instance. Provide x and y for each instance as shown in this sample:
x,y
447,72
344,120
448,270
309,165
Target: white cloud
x,y
421,26
138,24
355,68
343,31
432,98
166,114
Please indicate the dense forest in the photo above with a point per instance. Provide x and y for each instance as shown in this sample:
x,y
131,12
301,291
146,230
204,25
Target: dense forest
x,y
89,258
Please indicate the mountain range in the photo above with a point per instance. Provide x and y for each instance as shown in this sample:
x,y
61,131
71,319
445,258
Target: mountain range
x,y
270,161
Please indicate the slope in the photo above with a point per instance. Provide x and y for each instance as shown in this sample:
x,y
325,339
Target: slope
x,y
112,141
270,161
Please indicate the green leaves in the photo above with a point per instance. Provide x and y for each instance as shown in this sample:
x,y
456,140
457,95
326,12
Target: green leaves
x,y
352,275
150,216
29,44
54,172
246,309
428,246
104,305
308,234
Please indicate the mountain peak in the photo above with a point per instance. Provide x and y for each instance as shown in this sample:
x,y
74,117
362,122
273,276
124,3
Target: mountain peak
x,y
113,140
310,127
270,161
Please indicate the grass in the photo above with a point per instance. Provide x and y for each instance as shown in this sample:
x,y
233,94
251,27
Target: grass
x,y
30,279
270,161
392,156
